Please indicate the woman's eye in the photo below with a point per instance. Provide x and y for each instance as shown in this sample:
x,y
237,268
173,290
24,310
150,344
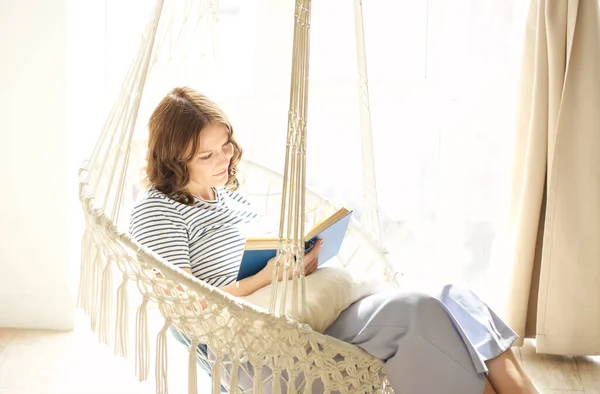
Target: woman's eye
x,y
205,157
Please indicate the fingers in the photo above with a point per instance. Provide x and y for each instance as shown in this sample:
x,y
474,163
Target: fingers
x,y
311,267
312,258
315,250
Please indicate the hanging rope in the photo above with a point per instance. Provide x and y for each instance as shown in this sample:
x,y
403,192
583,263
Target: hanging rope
x,y
293,208
370,218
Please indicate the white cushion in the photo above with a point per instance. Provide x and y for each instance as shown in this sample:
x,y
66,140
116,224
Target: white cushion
x,y
329,290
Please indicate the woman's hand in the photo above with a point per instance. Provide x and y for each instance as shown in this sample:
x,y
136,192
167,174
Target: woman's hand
x,y
311,262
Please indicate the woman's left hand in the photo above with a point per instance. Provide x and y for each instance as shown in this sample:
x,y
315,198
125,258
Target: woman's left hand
x,y
311,259
311,262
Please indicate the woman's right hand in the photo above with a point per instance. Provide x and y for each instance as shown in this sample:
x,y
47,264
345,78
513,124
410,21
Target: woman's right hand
x,y
311,262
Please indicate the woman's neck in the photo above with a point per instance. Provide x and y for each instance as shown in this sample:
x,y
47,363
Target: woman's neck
x,y
203,192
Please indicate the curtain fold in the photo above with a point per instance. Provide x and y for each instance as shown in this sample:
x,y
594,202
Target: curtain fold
x,y
554,292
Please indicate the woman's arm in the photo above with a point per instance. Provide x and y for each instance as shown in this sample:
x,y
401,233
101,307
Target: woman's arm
x,y
263,278
248,285
243,287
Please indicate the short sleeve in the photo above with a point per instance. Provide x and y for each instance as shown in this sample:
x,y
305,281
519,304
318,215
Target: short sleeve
x,y
160,228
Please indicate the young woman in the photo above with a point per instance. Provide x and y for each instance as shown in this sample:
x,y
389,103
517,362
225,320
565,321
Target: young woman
x,y
193,217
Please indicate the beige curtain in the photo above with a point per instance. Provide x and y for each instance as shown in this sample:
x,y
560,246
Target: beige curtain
x,y
555,206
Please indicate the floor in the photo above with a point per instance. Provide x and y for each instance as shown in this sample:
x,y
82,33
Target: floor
x,y
45,362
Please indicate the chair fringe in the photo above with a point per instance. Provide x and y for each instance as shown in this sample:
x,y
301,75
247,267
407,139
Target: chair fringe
x,y
82,295
216,374
122,322
291,383
106,302
258,382
308,386
95,278
162,386
142,342
276,380
192,371
233,384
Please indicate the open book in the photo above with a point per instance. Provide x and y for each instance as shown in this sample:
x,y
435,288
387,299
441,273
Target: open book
x,y
331,230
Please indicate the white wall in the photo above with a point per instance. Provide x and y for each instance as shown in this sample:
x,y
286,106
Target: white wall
x,y
34,175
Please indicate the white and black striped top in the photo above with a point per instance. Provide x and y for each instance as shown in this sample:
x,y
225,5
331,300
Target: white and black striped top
x,y
207,237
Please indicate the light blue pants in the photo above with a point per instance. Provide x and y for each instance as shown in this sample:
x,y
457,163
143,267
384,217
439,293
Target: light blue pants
x,y
430,343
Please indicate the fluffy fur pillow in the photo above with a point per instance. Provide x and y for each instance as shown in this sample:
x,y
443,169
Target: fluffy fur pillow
x,y
329,290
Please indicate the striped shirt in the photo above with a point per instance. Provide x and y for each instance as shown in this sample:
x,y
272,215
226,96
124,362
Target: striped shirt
x,y
207,237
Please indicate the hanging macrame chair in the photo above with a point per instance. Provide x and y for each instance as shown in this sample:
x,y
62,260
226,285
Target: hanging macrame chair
x,y
240,336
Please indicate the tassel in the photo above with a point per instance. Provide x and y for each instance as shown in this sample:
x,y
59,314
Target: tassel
x,y
88,291
82,295
161,360
95,270
233,384
142,343
308,387
258,382
192,372
122,324
276,381
106,302
216,375
291,383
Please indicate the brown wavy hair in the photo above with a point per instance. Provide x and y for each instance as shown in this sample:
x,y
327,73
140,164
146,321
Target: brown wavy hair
x,y
176,122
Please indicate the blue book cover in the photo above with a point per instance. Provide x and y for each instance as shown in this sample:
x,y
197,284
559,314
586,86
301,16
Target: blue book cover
x,y
331,231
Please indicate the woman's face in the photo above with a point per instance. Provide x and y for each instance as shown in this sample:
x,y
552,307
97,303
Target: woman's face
x,y
209,167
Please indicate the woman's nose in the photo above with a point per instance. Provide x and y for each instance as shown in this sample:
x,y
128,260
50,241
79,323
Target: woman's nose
x,y
225,158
